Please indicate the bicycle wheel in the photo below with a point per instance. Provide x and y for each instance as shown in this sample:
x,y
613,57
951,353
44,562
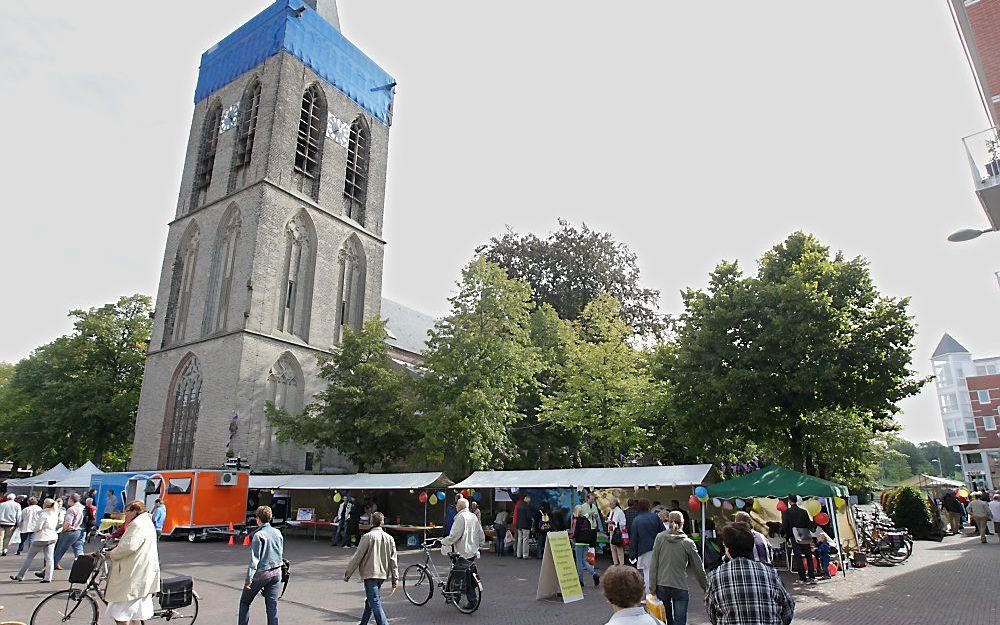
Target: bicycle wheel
x,y
418,586
186,615
468,601
66,607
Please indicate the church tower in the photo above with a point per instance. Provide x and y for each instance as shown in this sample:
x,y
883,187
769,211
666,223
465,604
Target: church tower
x,y
276,244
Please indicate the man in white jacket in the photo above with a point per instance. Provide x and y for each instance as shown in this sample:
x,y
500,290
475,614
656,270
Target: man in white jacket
x,y
466,537
10,516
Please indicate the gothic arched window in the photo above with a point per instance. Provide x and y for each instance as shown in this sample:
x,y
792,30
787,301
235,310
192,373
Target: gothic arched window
x,y
351,295
247,131
356,177
175,321
285,383
181,421
309,143
206,154
223,267
297,276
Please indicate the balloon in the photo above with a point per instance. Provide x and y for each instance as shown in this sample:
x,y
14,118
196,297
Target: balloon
x,y
822,518
963,492
741,504
476,497
832,569
782,506
465,493
693,503
337,498
701,493
727,505
717,502
757,505
411,491
423,497
812,507
441,495
433,500
840,502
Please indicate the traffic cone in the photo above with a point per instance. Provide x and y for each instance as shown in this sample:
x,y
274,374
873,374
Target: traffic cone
x,y
246,541
231,542
230,526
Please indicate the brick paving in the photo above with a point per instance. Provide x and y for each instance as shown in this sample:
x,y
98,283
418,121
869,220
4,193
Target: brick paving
x,y
954,582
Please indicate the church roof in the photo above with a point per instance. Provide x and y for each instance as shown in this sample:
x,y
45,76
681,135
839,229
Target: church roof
x,y
293,27
948,345
407,328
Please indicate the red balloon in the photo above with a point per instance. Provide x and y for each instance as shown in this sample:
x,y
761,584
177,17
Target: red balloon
x,y
423,497
465,493
782,506
693,503
822,518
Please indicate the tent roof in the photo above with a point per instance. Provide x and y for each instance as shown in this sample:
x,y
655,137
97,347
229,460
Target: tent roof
x,y
597,477
79,477
775,481
53,475
356,481
930,481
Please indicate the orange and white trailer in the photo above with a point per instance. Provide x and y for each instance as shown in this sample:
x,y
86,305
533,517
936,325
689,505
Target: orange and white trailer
x,y
200,502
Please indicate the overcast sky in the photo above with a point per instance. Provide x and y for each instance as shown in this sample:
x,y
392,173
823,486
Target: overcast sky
x,y
694,132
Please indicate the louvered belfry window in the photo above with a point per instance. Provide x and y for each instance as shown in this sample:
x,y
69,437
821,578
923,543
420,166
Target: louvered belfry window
x,y
312,123
356,177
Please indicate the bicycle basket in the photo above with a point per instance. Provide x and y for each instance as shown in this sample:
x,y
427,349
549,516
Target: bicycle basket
x,y
176,592
83,567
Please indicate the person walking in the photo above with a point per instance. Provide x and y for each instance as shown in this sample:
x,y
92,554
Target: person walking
x,y
995,511
264,573
584,537
135,569
645,528
674,559
72,531
954,508
798,527
27,527
159,515
465,539
43,540
742,590
354,523
375,559
761,549
616,524
10,516
979,512
522,527
623,588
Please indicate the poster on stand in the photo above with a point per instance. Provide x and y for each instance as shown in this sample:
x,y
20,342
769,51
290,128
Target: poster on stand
x,y
558,572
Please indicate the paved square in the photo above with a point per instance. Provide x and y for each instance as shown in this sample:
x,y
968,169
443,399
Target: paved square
x,y
954,582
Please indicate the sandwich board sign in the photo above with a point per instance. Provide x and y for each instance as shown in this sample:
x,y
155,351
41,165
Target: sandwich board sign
x,y
558,572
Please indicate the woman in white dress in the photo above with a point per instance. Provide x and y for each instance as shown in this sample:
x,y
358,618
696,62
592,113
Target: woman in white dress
x,y
135,569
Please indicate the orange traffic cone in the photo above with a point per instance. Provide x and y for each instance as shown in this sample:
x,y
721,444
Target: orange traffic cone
x,y
231,542
246,541
230,526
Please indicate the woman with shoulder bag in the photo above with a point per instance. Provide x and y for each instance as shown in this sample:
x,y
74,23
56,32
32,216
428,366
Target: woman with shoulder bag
x,y
584,537
616,529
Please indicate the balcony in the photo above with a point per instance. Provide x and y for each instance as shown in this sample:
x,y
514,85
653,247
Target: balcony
x,y
983,150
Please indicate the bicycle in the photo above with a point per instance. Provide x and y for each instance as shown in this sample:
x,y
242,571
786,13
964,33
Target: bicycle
x,y
463,588
882,540
78,605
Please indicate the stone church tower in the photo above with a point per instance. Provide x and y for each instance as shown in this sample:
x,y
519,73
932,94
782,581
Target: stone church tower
x,y
276,244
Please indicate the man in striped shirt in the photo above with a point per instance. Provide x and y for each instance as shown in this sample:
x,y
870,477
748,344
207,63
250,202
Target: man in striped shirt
x,y
742,591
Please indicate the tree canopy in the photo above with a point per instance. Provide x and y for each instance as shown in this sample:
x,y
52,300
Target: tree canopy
x,y
572,267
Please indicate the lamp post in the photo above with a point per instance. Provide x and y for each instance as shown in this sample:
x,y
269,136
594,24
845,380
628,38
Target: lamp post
x,y
937,461
967,234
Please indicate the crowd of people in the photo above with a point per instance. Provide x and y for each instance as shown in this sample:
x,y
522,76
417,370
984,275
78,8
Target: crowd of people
x,y
981,509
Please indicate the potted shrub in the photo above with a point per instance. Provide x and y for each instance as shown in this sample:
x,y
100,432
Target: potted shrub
x,y
993,167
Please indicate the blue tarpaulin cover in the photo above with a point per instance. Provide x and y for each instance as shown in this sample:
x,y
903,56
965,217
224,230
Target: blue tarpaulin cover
x,y
308,38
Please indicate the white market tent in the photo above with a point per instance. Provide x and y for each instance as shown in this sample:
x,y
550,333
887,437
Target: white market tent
x,y
597,477
930,482
79,477
354,481
42,480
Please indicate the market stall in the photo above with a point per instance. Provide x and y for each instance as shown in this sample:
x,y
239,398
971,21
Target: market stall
x,y
766,487
79,479
40,483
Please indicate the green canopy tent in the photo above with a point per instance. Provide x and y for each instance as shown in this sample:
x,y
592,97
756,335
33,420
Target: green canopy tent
x,y
776,481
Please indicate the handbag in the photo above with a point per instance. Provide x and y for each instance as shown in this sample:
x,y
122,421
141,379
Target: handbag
x,y
509,539
802,535
655,608
616,537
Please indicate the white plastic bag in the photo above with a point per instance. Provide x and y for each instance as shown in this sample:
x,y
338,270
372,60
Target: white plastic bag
x,y
15,538
509,539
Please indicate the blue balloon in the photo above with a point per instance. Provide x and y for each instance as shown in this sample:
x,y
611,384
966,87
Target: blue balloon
x,y
701,492
476,497
440,495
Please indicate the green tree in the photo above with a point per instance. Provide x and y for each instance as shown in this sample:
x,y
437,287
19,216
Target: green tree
x,y
941,456
367,410
760,364
572,267
911,510
479,359
76,398
603,388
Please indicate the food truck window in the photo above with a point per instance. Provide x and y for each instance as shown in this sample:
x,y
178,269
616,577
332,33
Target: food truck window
x,y
153,486
179,486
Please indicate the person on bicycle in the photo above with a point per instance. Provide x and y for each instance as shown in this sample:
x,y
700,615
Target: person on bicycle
x,y
264,573
466,538
135,569
376,559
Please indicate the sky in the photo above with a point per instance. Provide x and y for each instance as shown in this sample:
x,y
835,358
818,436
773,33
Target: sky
x,y
693,132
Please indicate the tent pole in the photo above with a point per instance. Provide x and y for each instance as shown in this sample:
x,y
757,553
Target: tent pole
x,y
836,534
704,536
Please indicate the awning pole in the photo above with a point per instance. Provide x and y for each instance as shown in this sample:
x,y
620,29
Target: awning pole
x,y
836,535
704,534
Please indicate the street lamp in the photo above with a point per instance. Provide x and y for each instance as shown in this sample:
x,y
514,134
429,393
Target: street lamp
x,y
938,463
967,234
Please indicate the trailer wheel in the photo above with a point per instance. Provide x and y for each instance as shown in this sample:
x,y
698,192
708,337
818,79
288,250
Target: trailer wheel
x,y
192,537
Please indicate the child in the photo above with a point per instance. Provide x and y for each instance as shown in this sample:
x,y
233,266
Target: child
x,y
823,553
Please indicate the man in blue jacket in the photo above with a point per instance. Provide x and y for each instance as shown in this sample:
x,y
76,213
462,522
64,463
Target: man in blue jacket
x,y
645,527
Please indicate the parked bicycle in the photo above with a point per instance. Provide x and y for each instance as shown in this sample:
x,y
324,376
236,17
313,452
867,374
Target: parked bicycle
x,y
463,587
881,540
78,605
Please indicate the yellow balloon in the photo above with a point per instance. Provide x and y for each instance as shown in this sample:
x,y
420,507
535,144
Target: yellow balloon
x,y
757,505
433,500
840,502
337,498
963,492
812,507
